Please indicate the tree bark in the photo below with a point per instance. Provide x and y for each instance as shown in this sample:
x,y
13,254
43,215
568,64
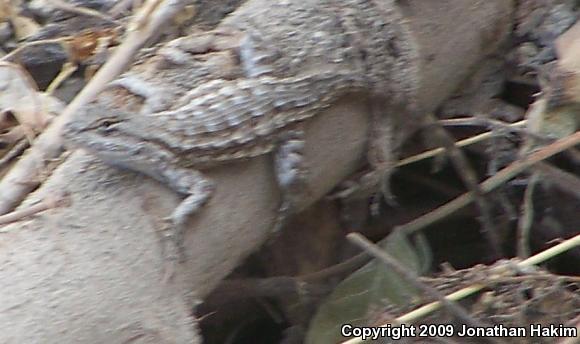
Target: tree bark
x,y
92,272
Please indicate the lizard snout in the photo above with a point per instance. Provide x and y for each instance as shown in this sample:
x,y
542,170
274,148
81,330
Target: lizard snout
x,y
70,129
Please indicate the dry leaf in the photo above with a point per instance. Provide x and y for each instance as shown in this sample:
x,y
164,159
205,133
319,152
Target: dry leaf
x,y
90,42
31,109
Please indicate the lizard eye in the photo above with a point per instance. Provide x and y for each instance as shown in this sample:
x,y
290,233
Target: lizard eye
x,y
107,125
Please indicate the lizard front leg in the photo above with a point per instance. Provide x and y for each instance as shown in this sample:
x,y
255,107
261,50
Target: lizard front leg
x,y
198,189
290,174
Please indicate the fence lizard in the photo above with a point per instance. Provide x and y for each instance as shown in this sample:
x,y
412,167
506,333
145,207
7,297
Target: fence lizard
x,y
295,58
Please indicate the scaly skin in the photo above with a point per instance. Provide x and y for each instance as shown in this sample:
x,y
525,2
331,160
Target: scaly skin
x,y
293,59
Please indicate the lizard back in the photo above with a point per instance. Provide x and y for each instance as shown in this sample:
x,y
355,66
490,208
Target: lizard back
x,y
233,119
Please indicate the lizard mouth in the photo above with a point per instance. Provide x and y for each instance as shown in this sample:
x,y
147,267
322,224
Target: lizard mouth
x,y
106,147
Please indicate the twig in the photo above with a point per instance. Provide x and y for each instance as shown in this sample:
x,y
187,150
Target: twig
x,y
24,175
412,278
493,124
14,152
7,57
525,221
67,69
48,203
493,182
551,252
470,180
343,268
462,143
285,286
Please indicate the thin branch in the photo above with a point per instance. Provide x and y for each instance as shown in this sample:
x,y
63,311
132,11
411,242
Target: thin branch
x,y
493,182
24,176
492,124
525,221
14,152
8,57
467,142
285,286
470,180
48,203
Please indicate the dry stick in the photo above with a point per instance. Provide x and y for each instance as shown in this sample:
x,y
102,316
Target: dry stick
x,y
525,221
25,175
493,182
48,203
412,278
14,152
8,57
343,268
492,124
470,180
283,286
462,143
465,292
67,69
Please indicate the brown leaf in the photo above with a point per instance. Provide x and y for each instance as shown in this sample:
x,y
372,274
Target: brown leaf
x,y
90,42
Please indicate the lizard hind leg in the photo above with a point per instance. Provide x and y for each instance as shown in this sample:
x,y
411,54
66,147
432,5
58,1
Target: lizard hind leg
x,y
380,156
290,174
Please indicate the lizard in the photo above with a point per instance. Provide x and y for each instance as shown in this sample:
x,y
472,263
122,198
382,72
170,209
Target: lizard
x,y
294,58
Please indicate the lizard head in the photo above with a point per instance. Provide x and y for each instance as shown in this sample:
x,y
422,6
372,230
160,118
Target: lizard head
x,y
119,138
110,135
